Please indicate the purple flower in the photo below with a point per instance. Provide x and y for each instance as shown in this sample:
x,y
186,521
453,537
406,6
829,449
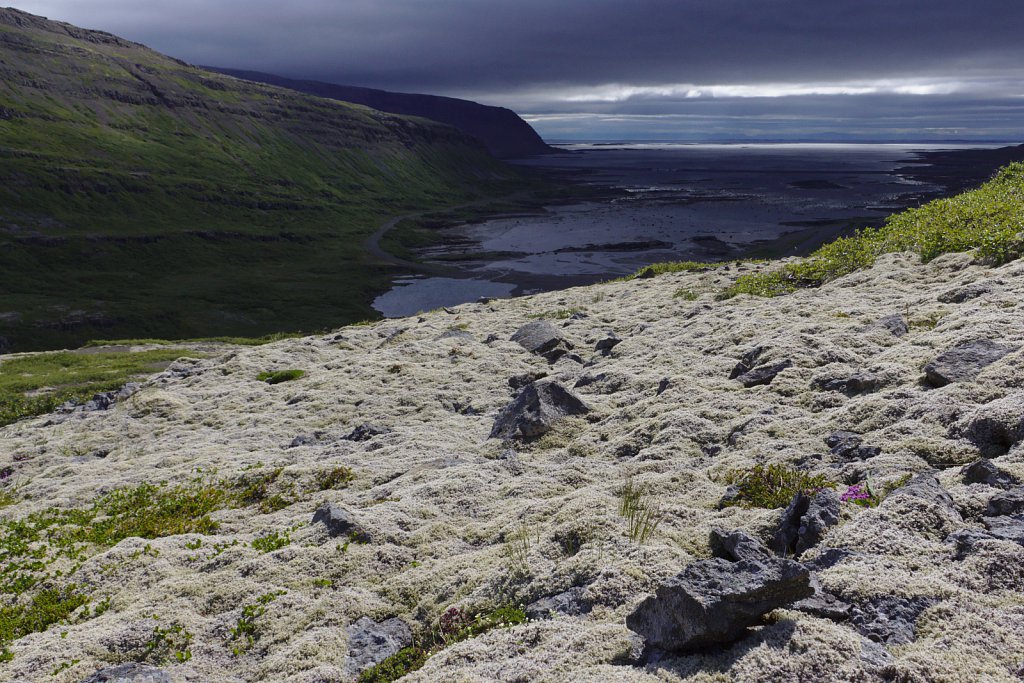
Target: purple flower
x,y
855,493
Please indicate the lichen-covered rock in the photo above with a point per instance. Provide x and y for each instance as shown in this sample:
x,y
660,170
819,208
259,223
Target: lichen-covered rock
x,y
805,521
964,362
1007,503
715,601
962,294
984,471
736,545
542,338
340,522
573,602
535,411
370,643
890,619
924,507
895,324
763,375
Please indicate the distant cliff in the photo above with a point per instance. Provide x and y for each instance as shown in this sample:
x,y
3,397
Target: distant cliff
x,y
500,130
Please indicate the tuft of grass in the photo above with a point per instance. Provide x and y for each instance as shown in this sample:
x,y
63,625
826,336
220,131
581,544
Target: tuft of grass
x,y
686,294
772,486
517,549
641,514
987,219
664,267
335,478
278,376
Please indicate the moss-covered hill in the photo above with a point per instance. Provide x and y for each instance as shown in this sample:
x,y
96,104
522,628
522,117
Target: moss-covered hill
x,y
141,196
235,519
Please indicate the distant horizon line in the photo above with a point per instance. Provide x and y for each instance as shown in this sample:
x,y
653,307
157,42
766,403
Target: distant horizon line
x,y
779,141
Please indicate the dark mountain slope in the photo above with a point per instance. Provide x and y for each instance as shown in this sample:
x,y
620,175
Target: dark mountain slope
x,y
501,130
141,196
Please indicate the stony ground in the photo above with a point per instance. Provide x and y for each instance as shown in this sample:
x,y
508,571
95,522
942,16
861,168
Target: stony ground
x,y
455,518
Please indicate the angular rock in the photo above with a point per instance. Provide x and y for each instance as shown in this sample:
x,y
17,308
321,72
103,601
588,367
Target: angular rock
x,y
763,375
843,442
1007,503
572,602
607,343
997,426
958,296
1006,528
714,601
805,521
535,410
663,385
825,605
543,339
965,541
365,432
517,382
340,522
985,472
964,362
370,643
736,545
747,363
896,324
889,619
130,673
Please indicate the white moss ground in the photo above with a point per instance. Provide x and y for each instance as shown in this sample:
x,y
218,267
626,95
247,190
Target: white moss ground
x,y
440,499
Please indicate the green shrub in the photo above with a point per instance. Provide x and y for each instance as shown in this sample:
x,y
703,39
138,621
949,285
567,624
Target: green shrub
x,y
988,219
279,376
336,478
47,607
271,542
772,486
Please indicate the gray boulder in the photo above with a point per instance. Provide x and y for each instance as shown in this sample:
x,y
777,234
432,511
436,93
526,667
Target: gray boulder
x,y
340,522
747,363
543,339
847,445
805,521
736,545
763,375
130,673
1007,503
985,472
996,427
535,410
964,362
1006,528
714,602
370,643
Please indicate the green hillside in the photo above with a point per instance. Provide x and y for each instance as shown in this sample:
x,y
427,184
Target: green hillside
x,y
141,196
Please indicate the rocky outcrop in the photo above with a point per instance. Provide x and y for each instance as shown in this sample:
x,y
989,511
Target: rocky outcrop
x,y
805,521
544,339
713,602
964,362
371,642
536,410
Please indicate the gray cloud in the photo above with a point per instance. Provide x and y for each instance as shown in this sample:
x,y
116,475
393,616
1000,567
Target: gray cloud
x,y
913,58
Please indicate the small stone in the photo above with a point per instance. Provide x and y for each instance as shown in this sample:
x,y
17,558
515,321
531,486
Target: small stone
x,y
340,522
663,385
130,673
607,343
964,362
896,324
543,339
959,296
535,411
714,602
572,602
763,375
1007,503
370,643
747,363
365,432
985,472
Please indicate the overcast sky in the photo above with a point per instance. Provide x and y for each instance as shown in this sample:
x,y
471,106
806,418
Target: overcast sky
x,y
621,69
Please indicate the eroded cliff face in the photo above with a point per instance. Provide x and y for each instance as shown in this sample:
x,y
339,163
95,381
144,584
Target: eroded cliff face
x,y
437,514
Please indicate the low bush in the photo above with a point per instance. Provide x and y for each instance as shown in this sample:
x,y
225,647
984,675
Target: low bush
x,y
772,486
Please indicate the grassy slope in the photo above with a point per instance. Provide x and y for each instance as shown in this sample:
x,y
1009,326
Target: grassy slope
x,y
140,196
989,219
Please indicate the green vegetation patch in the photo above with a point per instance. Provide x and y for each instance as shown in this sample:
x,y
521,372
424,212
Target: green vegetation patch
x,y
45,608
36,384
772,486
278,376
989,219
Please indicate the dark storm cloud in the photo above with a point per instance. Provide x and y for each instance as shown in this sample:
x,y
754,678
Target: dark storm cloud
x,y
599,56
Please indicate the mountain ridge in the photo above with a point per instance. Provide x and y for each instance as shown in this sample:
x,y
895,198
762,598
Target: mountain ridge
x,y
501,130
